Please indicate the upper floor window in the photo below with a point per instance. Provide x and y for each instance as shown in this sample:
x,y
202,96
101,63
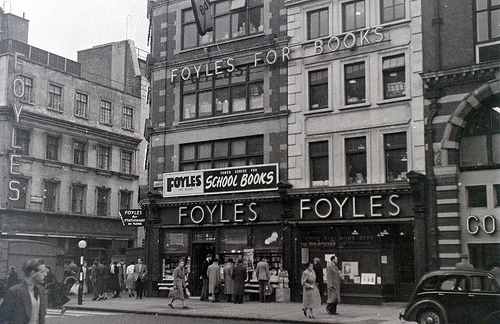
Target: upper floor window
x,y
19,186
392,10
318,156
125,199
103,201
49,195
240,91
28,89
79,150
480,144
476,196
22,140
393,70
105,112
78,199
128,118
487,20
81,104
318,23
396,158
353,15
232,19
355,87
126,166
355,157
52,148
223,153
318,89
103,157
55,97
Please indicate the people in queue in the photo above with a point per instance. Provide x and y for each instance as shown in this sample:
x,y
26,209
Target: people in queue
x,y
204,277
228,280
311,298
239,277
214,280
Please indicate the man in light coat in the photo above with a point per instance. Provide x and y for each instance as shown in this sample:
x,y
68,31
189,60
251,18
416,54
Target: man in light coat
x,y
214,280
228,280
333,282
262,273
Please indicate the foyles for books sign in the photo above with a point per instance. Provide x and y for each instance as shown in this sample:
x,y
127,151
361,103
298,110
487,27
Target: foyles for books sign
x,y
263,177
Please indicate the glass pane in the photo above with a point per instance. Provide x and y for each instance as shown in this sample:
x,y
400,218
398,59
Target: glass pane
x,y
481,4
482,26
495,23
319,168
473,151
204,165
477,196
237,4
189,106
399,11
220,164
221,79
255,23
239,98
356,168
495,143
221,148
255,145
189,36
205,104
204,82
256,96
396,165
238,24
495,3
313,24
360,14
253,160
238,162
221,101
238,147
188,16
222,28
240,75
188,167
256,74
204,150
221,7
207,38
323,23
348,17
190,85
188,152
318,96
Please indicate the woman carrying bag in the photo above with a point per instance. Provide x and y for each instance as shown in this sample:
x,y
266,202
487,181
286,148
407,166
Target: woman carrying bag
x,y
311,297
179,289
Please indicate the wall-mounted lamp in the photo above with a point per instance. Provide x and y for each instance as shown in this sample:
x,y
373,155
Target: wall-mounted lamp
x,y
354,233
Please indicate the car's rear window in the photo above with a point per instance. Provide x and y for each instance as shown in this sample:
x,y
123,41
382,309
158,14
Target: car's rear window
x,y
483,283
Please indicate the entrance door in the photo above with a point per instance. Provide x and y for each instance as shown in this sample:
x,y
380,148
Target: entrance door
x,y
200,252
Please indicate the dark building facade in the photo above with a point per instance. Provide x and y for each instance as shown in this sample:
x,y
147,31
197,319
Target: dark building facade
x,y
462,99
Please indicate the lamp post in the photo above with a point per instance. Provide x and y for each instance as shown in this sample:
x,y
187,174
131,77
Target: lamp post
x,y
82,245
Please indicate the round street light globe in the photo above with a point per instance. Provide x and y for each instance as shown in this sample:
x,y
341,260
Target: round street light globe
x,y
82,244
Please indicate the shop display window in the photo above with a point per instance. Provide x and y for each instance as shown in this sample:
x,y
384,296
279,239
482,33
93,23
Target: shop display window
x,y
175,242
234,239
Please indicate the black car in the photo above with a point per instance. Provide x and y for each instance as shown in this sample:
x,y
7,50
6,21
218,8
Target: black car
x,y
453,297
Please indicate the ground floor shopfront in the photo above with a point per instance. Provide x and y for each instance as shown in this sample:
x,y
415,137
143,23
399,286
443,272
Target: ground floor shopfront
x,y
374,230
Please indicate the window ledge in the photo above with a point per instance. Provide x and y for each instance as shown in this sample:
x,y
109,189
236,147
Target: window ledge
x,y
105,173
128,129
387,101
30,103
82,117
52,164
318,111
106,124
60,111
212,44
79,168
354,106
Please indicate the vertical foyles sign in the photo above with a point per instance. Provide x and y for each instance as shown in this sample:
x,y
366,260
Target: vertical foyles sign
x,y
203,16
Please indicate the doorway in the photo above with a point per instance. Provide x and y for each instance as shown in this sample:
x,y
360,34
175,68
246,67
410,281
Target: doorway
x,y
200,252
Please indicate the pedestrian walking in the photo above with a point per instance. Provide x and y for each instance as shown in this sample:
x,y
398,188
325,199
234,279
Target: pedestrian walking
x,y
239,277
179,287
130,281
263,276
311,298
204,277
106,278
24,303
318,270
333,282
114,281
228,280
12,278
214,280
141,271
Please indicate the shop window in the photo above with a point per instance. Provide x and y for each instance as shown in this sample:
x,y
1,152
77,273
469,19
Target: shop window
x,y
237,92
355,157
222,153
497,194
18,192
488,30
393,70
396,157
55,97
319,163
49,195
355,91
78,199
353,15
103,201
22,140
476,196
28,89
318,24
81,105
128,118
52,148
480,144
392,10
126,165
318,89
234,239
125,199
103,157
79,151
105,112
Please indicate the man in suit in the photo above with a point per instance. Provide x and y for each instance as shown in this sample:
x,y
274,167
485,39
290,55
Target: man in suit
x,y
318,270
25,303
333,282
262,273
204,277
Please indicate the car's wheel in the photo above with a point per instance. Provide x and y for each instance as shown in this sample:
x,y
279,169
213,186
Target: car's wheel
x,y
429,316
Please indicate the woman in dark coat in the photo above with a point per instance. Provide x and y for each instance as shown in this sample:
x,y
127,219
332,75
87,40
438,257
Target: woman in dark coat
x,y
114,280
239,277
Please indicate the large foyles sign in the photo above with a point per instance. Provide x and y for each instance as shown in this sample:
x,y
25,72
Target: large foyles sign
x,y
216,181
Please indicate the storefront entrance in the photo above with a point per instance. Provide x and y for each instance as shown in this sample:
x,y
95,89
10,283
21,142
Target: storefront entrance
x,y
200,252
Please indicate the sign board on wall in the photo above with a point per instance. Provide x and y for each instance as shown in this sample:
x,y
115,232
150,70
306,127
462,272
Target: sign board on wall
x,y
263,177
132,217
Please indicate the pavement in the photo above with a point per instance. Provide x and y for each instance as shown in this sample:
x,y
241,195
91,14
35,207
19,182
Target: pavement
x,y
250,311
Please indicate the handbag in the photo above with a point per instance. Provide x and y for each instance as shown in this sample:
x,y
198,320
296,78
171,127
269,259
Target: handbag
x,y
268,289
187,294
74,288
174,293
217,288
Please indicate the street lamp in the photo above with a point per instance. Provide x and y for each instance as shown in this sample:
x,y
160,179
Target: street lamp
x,y
82,245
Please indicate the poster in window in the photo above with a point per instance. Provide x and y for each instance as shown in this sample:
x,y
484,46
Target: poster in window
x,y
350,269
368,278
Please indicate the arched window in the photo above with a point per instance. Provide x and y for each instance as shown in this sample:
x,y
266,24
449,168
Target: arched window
x,y
480,144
